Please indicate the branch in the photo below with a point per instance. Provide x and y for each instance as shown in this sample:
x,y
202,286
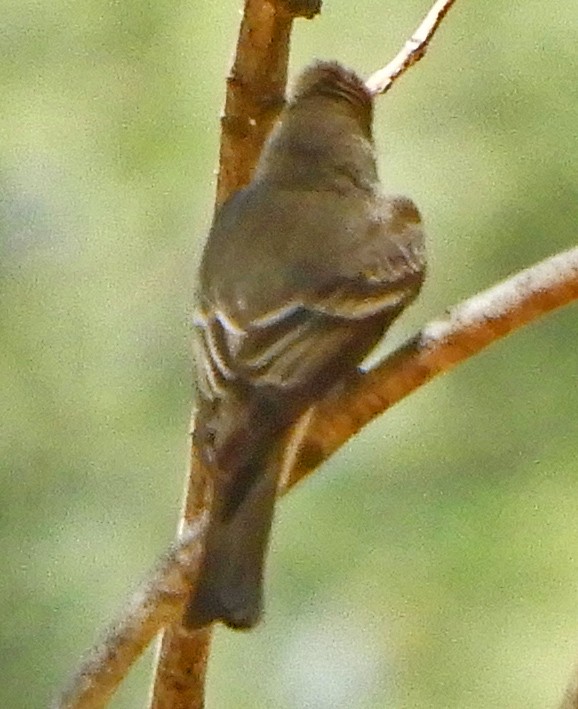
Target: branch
x,y
256,86
150,608
254,98
469,328
414,49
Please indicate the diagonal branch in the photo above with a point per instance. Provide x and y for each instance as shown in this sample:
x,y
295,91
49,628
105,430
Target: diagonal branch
x,y
413,50
151,607
255,95
469,328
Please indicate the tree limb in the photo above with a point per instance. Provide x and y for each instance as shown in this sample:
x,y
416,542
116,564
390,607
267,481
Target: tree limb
x,y
468,328
256,86
413,50
255,95
150,608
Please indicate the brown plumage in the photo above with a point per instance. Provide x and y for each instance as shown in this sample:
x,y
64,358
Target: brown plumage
x,y
302,273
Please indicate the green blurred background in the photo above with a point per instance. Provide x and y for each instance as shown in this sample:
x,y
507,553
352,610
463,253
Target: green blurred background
x,y
434,561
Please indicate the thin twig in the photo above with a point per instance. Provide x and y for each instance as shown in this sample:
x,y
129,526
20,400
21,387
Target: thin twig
x,y
469,328
414,49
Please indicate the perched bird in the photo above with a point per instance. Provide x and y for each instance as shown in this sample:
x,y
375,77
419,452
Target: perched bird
x,y
302,273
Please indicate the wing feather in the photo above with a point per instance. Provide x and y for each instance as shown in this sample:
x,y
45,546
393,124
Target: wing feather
x,y
284,346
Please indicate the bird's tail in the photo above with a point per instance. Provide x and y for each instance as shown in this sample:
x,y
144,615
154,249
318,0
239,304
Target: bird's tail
x,y
230,582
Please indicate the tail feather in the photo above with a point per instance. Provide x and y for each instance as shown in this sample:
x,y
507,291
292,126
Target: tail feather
x,y
230,583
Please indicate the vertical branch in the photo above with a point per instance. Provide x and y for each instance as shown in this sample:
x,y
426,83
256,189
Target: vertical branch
x,y
255,96
256,86
255,93
183,654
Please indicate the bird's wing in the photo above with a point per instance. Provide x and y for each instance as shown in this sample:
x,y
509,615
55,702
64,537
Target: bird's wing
x,y
388,268
291,344
277,354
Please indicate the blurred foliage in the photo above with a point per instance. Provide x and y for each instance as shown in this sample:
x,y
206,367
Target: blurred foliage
x,y
433,562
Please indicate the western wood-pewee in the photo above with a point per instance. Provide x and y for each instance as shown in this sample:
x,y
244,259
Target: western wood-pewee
x,y
302,273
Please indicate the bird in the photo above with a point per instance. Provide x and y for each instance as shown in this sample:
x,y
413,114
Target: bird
x,y
303,271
